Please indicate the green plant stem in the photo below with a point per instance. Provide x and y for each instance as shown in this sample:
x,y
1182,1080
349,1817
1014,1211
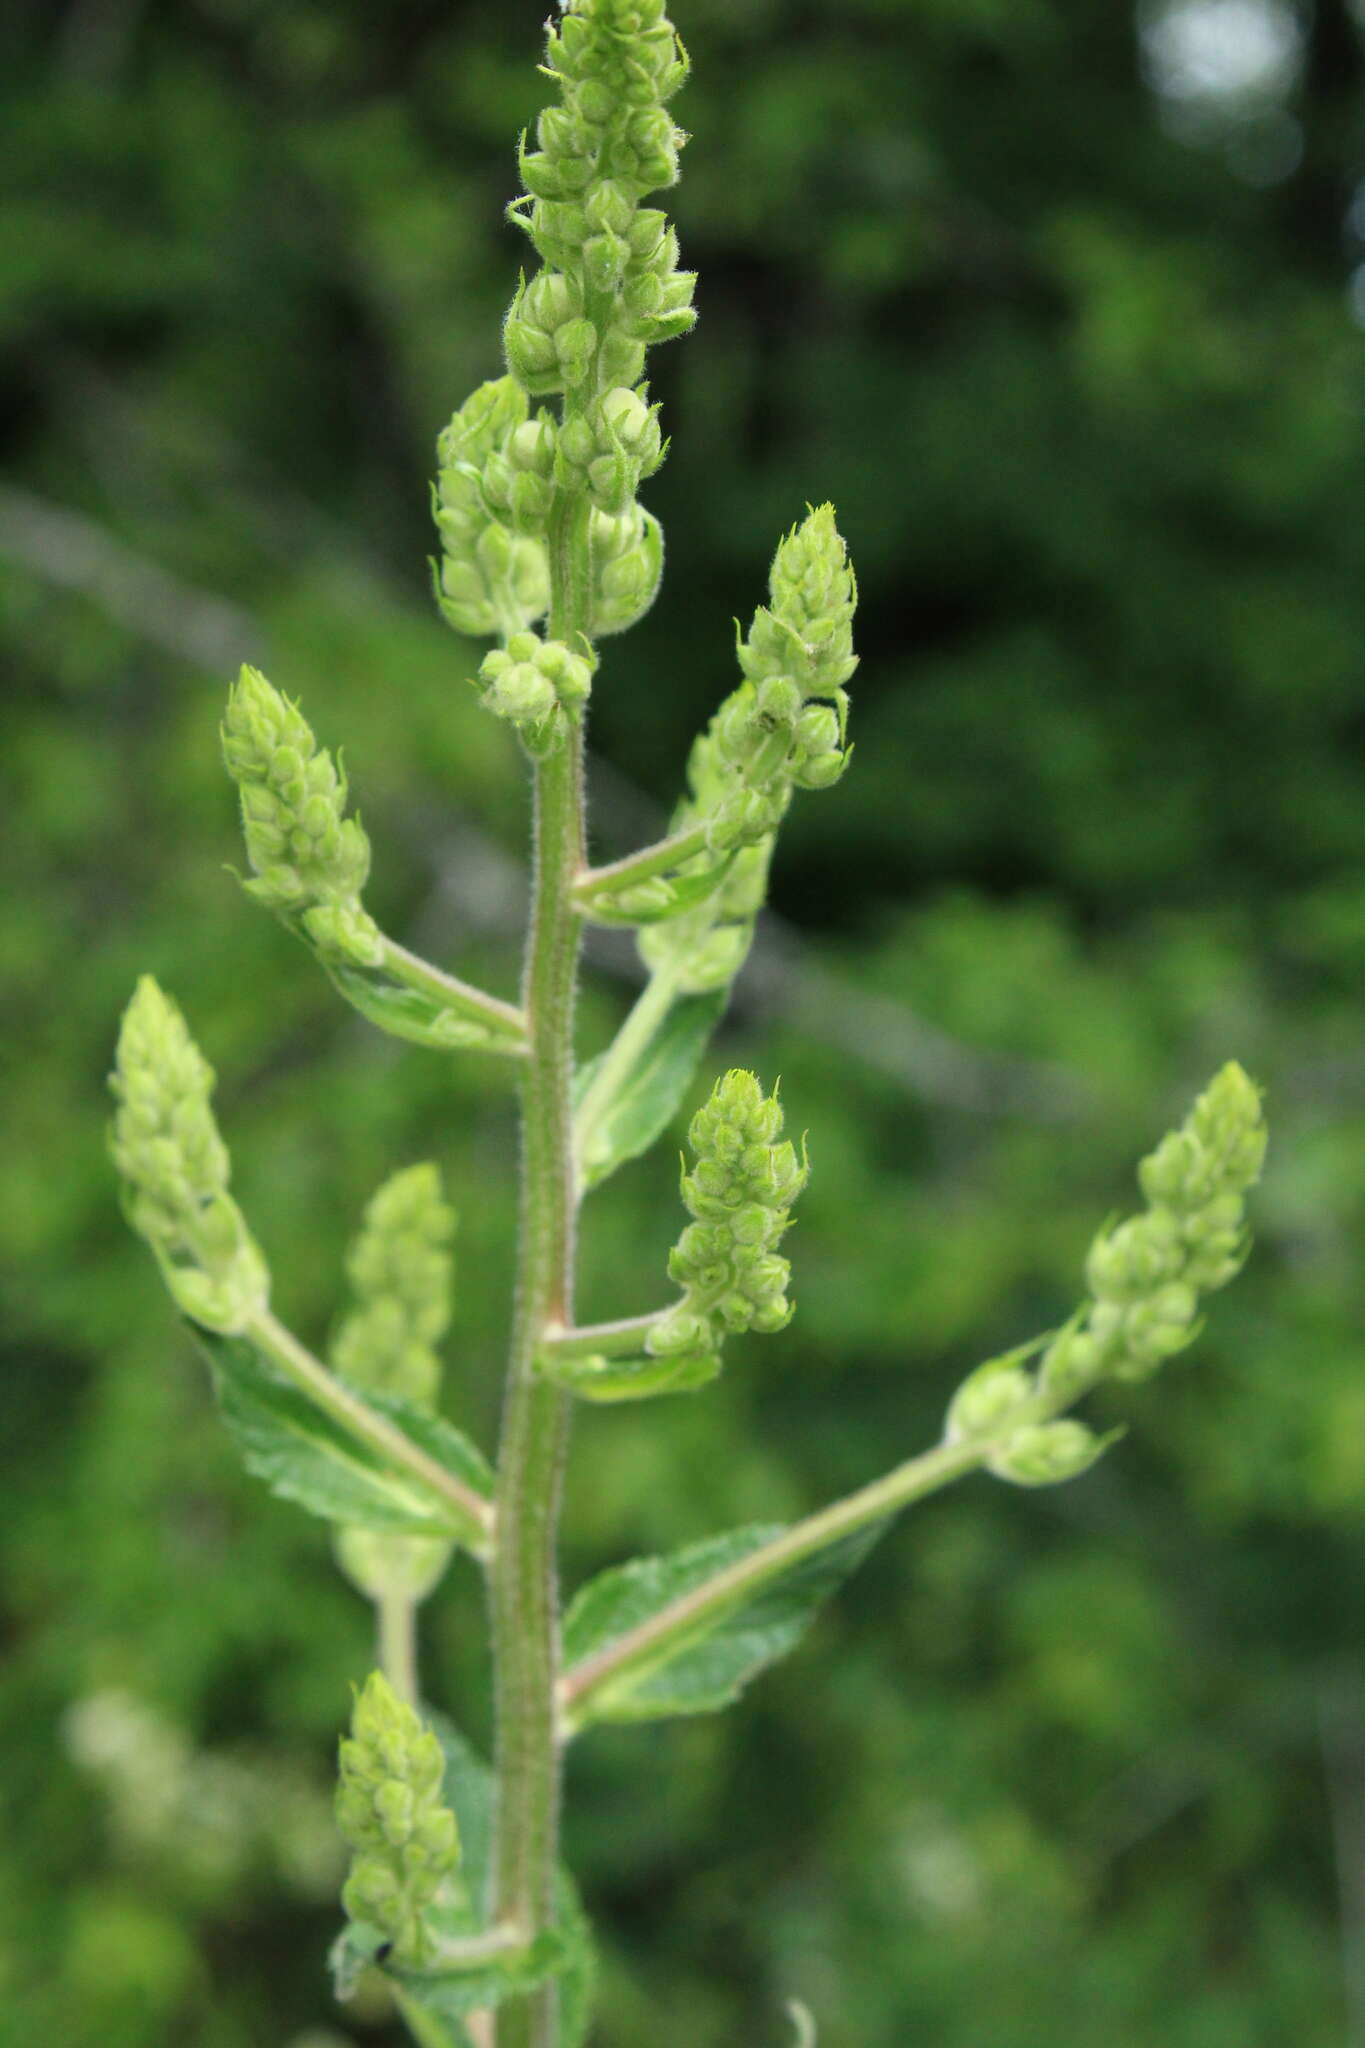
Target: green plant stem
x,y
651,1006
536,1414
602,1340
695,1611
336,1399
415,973
396,1614
643,866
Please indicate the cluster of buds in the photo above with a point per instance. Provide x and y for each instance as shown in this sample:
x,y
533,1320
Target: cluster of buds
x,y
774,734
610,283
785,726
627,566
310,860
491,498
539,686
167,1147
1000,1405
608,286
1145,1276
739,1194
399,1267
389,1808
611,448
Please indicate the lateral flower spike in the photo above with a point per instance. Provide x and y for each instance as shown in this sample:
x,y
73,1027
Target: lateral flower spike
x,y
1146,1278
400,1269
389,1809
806,632
739,1194
1146,1275
166,1145
307,854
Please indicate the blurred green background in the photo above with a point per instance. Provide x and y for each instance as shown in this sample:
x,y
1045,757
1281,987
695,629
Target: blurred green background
x,y
1064,309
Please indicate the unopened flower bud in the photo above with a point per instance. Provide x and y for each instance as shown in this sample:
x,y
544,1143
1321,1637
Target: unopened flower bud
x,y
627,555
986,1398
1046,1453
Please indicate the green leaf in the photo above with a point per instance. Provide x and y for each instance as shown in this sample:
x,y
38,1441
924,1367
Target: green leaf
x,y
629,1379
705,1663
563,1951
647,1094
303,1455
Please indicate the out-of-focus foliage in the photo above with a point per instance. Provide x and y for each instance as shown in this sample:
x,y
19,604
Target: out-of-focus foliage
x,y
1062,323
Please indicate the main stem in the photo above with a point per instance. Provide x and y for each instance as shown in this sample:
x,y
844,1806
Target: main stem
x,y
525,1622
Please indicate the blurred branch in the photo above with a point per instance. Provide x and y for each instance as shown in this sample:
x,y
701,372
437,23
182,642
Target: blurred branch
x,y
68,549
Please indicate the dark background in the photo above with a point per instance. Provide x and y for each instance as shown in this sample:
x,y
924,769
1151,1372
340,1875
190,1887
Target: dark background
x,y
1063,309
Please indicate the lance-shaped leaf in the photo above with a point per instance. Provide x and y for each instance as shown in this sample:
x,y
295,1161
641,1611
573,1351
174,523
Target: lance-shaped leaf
x,y
707,1650
609,1380
307,1456
628,1095
444,1995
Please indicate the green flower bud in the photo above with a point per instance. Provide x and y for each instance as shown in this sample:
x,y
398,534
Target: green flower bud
x,y
1046,1453
987,1398
389,1809
167,1148
678,1335
604,259
622,360
610,208
1127,1263
628,561
1072,1362
343,934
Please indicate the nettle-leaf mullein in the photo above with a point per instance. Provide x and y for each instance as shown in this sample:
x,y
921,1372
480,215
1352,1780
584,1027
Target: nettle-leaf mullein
x,y
455,1893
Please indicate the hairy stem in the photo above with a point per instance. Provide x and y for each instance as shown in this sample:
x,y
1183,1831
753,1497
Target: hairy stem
x,y
525,1620
640,867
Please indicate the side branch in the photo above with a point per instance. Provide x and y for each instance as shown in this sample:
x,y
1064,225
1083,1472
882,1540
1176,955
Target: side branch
x,y
694,1612
659,859
601,1340
506,1020
297,1364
